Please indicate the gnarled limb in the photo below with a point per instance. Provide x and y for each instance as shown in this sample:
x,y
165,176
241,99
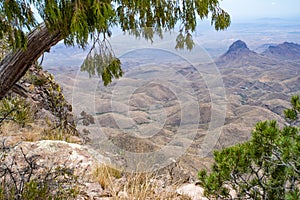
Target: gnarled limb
x,y
16,63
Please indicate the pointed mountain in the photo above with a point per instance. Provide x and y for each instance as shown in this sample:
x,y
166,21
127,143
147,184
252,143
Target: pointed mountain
x,y
238,52
285,51
238,45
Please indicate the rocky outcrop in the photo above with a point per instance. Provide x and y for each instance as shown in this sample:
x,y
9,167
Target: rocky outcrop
x,y
43,113
77,166
195,192
54,162
47,100
192,191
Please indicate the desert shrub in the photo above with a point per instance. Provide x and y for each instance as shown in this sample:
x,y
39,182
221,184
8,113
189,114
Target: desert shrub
x,y
15,109
21,177
35,79
266,167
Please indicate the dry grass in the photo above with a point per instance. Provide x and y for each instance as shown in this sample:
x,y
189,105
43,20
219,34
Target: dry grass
x,y
17,133
32,132
134,186
117,184
142,186
105,175
55,135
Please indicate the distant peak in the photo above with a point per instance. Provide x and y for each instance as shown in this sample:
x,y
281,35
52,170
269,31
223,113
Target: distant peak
x,y
239,44
238,51
289,43
284,51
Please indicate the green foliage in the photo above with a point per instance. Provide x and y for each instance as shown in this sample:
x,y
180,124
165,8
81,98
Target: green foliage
x,y
4,47
184,41
266,167
166,14
33,191
77,21
101,60
16,16
16,109
35,80
291,113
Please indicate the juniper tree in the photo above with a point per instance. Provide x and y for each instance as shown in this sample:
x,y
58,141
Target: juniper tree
x,y
75,21
266,167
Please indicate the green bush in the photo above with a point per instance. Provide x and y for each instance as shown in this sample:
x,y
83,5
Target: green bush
x,y
266,167
16,109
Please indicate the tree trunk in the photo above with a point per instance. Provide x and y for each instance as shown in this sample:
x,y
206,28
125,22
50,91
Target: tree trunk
x,y
16,63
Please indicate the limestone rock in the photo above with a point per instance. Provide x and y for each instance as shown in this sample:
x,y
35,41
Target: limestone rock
x,y
51,155
192,191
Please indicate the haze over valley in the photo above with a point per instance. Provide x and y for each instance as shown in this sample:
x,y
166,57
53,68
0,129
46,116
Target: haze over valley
x,y
163,101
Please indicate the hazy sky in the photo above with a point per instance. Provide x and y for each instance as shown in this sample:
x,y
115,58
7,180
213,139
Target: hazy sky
x,y
252,9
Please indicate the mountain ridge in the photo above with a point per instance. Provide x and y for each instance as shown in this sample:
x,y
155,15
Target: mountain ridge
x,y
284,51
239,54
